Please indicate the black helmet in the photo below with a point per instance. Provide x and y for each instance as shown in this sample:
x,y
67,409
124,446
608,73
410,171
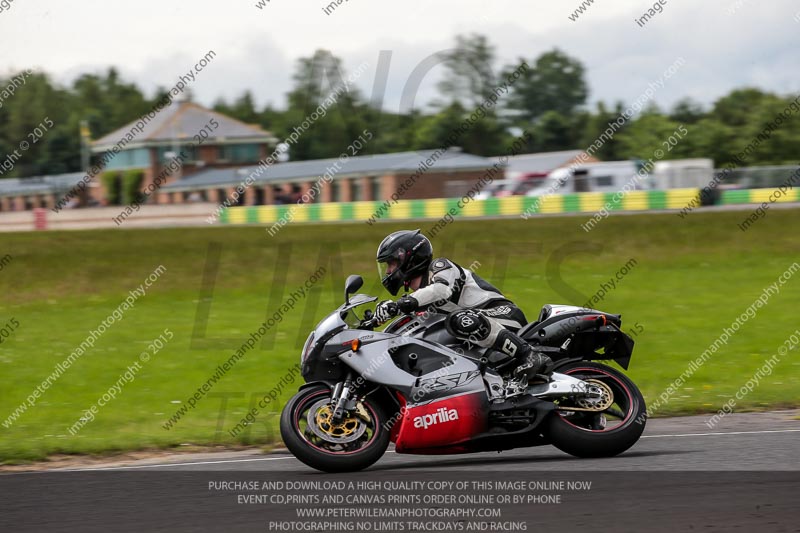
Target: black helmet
x,y
413,253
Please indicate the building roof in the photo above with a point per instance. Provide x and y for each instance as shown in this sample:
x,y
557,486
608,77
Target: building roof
x,y
39,184
181,121
541,163
368,165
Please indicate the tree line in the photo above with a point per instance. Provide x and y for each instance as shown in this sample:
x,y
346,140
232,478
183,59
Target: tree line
x,y
547,101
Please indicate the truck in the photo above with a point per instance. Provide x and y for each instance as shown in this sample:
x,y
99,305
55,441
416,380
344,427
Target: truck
x,y
615,176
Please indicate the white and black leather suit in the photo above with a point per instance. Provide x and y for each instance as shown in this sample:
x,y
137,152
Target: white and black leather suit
x,y
478,312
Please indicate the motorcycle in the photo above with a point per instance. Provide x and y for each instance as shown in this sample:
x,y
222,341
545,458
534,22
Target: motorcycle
x,y
427,392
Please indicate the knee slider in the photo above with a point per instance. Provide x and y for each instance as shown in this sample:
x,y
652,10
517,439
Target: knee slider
x,y
468,323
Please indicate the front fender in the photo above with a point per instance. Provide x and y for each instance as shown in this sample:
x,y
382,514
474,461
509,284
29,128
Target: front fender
x,y
330,384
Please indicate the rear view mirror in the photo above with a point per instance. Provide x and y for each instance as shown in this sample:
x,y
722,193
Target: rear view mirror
x,y
351,285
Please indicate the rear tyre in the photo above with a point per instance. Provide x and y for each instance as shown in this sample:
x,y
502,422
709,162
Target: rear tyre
x,y
603,433
353,443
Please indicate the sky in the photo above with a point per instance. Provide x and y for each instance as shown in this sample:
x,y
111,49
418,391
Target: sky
x,y
721,44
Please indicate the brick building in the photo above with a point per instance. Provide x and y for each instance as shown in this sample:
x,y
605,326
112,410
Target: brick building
x,y
176,129
435,174
20,194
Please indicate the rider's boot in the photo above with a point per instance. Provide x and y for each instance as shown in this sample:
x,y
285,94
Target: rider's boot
x,y
530,363
509,349
532,366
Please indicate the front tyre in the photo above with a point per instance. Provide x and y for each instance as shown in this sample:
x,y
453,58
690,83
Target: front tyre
x,y
602,427
353,443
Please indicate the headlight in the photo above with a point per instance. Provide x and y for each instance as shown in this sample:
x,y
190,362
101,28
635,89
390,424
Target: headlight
x,y
307,347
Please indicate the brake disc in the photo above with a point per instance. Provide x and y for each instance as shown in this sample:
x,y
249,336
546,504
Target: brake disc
x,y
602,398
320,422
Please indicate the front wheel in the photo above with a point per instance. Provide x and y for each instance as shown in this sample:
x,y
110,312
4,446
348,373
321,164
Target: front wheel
x,y
598,427
353,443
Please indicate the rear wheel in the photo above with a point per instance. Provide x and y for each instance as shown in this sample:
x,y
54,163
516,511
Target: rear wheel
x,y
603,426
352,443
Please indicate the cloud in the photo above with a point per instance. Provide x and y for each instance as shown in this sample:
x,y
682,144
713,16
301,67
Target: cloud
x,y
152,43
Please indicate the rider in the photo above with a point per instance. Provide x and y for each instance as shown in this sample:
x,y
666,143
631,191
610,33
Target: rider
x,y
477,311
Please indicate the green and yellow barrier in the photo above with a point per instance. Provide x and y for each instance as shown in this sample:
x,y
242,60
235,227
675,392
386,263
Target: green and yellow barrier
x,y
757,196
590,202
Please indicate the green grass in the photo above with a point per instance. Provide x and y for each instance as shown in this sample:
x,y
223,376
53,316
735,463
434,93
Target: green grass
x,y
693,278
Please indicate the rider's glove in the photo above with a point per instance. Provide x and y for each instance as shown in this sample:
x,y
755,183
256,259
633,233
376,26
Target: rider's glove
x,y
385,310
407,304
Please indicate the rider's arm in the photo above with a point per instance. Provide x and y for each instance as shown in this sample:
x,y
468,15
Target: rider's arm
x,y
440,286
425,296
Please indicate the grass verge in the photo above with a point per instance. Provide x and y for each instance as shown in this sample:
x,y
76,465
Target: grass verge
x,y
691,279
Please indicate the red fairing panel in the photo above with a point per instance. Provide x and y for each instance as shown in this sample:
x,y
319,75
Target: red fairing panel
x,y
443,423
398,423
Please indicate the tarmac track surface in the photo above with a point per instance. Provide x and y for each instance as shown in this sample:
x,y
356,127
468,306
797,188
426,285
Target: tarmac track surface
x,y
741,475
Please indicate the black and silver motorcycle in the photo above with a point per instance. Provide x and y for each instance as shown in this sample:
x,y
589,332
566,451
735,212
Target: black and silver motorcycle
x,y
417,386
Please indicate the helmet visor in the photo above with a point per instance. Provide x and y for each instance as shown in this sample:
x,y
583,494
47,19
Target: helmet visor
x,y
385,268
391,275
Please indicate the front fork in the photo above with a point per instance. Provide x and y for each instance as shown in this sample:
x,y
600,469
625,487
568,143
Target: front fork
x,y
343,398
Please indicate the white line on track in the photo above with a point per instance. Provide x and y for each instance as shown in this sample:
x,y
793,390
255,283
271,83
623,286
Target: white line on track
x,y
176,464
722,433
166,465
